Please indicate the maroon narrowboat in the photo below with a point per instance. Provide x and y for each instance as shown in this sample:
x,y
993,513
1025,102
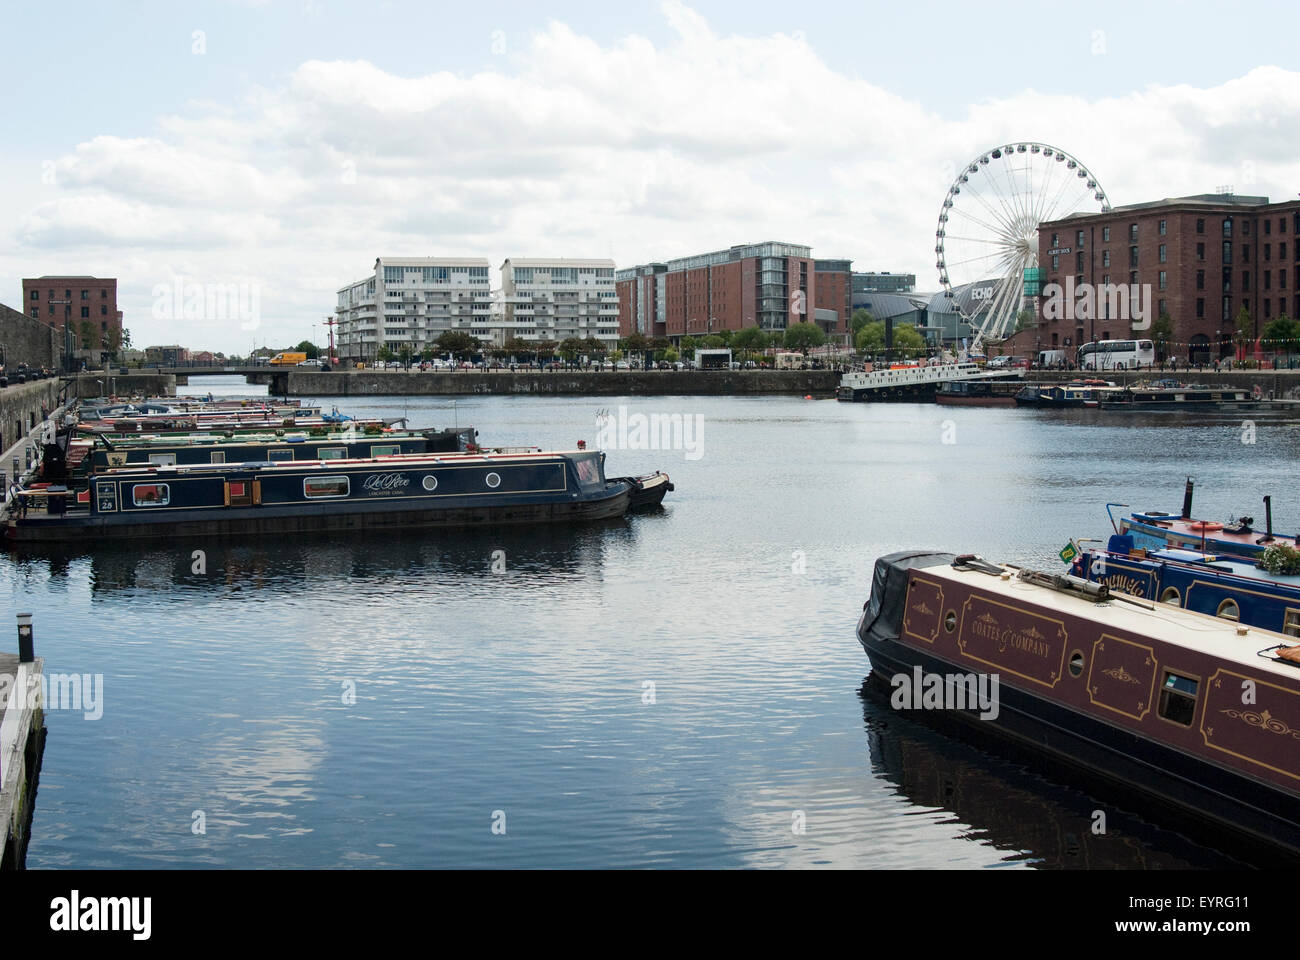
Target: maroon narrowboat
x,y
1197,711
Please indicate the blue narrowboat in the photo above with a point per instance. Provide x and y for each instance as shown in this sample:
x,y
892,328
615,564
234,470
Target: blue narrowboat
x,y
449,490
1219,586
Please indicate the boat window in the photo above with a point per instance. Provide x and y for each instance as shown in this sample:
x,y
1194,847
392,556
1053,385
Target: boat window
x,y
218,456
280,453
316,487
950,621
493,480
1170,595
1229,610
162,459
239,494
331,453
385,450
151,494
430,482
1076,663
1178,698
1291,623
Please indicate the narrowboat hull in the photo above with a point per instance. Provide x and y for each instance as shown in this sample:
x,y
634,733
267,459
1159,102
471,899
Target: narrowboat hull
x,y
455,490
647,491
1079,684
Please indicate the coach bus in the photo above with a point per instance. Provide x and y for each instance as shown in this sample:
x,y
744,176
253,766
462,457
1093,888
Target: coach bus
x,y
1117,355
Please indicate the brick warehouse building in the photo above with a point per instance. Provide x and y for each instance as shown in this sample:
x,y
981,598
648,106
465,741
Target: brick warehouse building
x,y
57,300
1205,257
761,284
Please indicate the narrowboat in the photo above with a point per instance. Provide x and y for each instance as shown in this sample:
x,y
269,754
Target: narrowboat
x,y
1218,586
978,393
288,445
451,490
1060,395
1156,530
1180,397
646,491
1197,713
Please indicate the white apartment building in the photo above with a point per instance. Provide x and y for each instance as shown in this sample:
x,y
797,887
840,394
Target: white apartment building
x,y
559,299
412,300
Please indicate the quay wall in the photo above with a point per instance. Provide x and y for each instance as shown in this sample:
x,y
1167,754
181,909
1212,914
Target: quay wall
x,y
355,383
100,384
23,406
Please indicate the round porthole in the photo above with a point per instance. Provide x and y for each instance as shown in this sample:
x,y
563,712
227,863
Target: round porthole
x,y
950,621
1229,610
430,482
493,480
1076,663
1170,595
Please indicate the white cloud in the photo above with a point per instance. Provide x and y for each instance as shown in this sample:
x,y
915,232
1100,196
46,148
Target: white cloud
x,y
575,148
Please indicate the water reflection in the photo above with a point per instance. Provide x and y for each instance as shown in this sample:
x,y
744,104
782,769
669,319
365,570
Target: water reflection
x,y
529,557
996,801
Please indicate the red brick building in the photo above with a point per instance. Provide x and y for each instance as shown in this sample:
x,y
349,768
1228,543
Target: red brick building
x,y
771,285
78,300
1204,258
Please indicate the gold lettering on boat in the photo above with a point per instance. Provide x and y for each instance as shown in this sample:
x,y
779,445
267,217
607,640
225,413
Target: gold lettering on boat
x,y
1015,640
1245,737
924,604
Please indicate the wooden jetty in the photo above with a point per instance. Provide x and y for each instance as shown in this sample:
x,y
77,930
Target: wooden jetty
x,y
22,743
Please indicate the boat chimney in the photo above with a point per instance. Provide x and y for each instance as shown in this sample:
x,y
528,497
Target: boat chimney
x,y
1268,520
1187,500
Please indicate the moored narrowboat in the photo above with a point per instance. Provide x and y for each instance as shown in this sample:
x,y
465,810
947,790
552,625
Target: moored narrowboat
x,y
1237,537
1218,586
451,490
1195,712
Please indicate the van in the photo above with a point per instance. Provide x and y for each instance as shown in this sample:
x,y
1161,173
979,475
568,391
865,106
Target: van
x,y
1050,358
288,359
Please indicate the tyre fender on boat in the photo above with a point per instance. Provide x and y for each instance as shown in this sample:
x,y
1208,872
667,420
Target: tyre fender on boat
x,y
1205,525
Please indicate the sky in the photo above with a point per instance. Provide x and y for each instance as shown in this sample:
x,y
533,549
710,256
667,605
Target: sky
x,y
278,148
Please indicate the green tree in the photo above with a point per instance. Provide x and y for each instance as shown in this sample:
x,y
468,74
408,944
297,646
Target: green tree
x,y
713,342
597,348
1280,335
126,339
725,336
804,336
384,354
861,317
570,348
1162,332
688,347
113,341
670,355
1245,327
517,347
309,348
86,330
457,343
749,339
870,338
404,354
1024,320
908,342
545,349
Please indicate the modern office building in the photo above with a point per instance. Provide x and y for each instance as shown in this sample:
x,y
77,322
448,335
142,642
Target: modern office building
x,y
558,300
412,301
865,284
1203,258
87,304
770,285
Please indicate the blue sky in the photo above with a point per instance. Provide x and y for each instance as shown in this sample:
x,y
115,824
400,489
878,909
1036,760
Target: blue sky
x,y
864,105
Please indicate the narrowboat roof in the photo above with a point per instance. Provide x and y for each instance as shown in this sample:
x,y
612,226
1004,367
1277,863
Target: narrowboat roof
x,y
1202,632
414,460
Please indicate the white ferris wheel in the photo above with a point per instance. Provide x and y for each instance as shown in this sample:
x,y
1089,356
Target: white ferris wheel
x,y
987,237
